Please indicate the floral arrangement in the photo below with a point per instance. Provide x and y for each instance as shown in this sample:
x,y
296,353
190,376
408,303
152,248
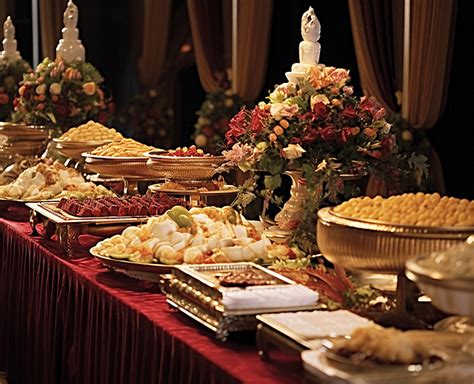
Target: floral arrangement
x,y
62,95
148,119
11,73
320,128
214,116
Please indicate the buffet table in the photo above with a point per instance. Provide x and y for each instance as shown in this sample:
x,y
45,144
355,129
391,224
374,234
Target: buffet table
x,y
74,321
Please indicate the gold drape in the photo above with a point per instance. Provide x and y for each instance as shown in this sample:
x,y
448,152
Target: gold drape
x,y
51,23
431,36
432,32
378,36
205,17
254,27
210,26
156,22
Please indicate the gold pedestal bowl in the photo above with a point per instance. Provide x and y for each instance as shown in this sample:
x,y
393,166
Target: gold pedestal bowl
x,y
364,245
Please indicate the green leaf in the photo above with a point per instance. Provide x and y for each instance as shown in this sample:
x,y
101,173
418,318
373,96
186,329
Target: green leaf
x,y
272,182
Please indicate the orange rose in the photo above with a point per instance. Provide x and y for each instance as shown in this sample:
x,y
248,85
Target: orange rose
x,y
22,90
284,124
272,137
278,130
370,133
89,88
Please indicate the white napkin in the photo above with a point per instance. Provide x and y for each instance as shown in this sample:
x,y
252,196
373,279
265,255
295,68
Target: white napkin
x,y
318,324
266,297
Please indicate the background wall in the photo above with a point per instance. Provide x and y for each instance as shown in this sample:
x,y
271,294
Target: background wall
x,y
107,28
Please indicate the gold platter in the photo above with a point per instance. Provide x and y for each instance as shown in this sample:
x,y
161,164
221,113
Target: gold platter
x,y
375,246
74,149
184,168
125,167
141,271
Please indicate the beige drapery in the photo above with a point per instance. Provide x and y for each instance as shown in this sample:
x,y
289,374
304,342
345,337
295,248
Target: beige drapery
x,y
156,25
432,33
205,17
210,21
51,22
254,27
377,29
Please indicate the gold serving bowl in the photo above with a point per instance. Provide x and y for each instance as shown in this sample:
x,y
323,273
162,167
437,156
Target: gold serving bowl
x,y
21,132
379,247
184,168
74,149
21,140
125,167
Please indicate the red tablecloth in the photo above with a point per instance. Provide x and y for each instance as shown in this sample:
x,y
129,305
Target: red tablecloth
x,y
73,321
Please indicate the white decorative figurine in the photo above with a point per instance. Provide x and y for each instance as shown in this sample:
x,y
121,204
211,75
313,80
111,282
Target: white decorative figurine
x,y
309,47
9,52
70,47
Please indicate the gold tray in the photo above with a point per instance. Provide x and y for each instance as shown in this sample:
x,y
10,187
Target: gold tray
x,y
195,291
69,228
184,168
375,246
125,167
74,149
226,190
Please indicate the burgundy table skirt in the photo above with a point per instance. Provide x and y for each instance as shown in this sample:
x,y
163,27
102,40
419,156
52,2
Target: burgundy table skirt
x,y
74,321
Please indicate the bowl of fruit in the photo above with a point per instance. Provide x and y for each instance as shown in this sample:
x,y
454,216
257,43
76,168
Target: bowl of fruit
x,y
185,163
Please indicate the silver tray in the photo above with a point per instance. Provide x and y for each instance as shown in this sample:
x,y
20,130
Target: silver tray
x,y
195,291
141,271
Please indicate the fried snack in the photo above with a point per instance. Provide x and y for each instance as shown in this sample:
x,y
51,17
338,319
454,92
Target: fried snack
x,y
123,148
392,346
420,209
91,131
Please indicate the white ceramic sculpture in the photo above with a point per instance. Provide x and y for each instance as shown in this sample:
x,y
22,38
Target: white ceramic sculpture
x,y
9,43
69,47
309,47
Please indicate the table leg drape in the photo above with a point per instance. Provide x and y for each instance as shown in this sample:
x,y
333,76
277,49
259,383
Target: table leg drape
x,y
73,321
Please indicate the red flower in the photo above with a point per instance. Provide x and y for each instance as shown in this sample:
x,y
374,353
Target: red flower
x,y
375,154
320,110
237,125
310,135
387,144
345,134
349,112
295,140
328,133
258,118
62,110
